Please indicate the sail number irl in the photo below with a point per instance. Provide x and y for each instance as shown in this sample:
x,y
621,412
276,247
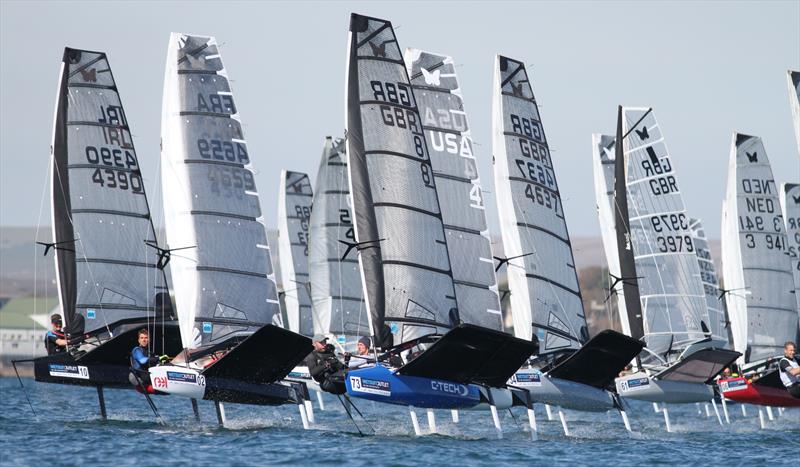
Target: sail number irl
x,y
116,165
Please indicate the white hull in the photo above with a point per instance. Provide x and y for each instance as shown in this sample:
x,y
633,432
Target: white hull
x,y
643,388
563,393
178,381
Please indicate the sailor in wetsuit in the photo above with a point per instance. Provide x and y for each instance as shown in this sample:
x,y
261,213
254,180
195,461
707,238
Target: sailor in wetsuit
x,y
790,370
55,341
325,368
141,361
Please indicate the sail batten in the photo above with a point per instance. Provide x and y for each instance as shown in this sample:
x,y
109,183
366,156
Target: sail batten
x,y
212,210
545,294
790,205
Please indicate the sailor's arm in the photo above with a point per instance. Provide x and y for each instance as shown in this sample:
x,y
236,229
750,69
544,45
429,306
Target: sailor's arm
x,y
139,356
786,367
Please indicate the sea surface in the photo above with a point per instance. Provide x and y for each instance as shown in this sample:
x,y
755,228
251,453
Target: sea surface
x,y
66,429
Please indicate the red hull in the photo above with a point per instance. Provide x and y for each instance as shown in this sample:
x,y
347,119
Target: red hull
x,y
741,390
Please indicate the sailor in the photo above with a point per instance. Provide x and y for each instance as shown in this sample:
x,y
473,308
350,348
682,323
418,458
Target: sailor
x,y
362,354
55,341
141,361
324,367
790,369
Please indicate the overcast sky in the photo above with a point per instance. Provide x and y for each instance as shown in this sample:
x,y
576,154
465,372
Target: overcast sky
x,y
707,69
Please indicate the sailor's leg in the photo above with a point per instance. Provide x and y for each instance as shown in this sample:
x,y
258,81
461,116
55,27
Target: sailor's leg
x,y
761,420
220,413
195,409
454,415
320,402
563,421
666,419
431,422
716,411
549,412
725,410
769,414
101,399
309,411
414,421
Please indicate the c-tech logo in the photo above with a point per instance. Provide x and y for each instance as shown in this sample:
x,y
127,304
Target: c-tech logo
x,y
450,388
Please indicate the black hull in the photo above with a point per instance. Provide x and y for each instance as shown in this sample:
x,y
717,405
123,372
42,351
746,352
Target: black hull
x,y
239,392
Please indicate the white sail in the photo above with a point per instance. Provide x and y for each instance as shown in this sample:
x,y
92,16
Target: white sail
x,y
717,322
545,294
673,302
444,120
335,279
107,273
294,212
223,281
405,269
758,281
790,204
603,148
794,103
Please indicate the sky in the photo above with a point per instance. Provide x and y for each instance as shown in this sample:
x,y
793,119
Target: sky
x,y
707,69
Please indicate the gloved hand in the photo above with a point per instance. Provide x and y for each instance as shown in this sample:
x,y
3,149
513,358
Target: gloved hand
x,y
163,359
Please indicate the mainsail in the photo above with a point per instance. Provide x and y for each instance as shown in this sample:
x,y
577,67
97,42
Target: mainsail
x,y
794,103
717,321
294,213
603,147
399,233
107,274
336,293
545,294
444,121
790,203
653,229
758,282
223,281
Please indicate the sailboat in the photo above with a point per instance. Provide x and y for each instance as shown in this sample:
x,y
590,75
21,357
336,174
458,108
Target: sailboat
x,y
758,279
336,294
790,206
660,275
570,370
110,284
294,212
431,358
235,348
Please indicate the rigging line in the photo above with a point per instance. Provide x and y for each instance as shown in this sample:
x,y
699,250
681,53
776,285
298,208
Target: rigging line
x,y
637,123
14,364
35,255
347,410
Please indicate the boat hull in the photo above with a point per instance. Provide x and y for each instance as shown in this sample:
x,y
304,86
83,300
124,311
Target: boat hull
x,y
381,384
744,391
187,382
641,387
300,374
64,369
561,392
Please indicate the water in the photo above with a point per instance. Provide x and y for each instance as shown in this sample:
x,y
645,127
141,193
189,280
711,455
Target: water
x,y
67,430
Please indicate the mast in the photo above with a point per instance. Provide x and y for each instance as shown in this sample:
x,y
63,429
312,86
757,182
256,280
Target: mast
x,y
794,103
101,220
444,119
223,280
403,255
545,294
294,212
627,263
336,292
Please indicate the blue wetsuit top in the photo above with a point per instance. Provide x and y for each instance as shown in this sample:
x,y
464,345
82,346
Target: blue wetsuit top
x,y
139,357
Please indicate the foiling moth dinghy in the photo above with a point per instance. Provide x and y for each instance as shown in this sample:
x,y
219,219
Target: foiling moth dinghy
x,y
664,300
760,289
437,91
403,250
570,370
108,281
338,308
235,349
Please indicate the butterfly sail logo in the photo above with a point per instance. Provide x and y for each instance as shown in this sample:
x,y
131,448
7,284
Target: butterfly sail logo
x,y
431,78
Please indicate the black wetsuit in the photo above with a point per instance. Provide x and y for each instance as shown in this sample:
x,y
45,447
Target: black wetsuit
x,y
50,342
327,370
